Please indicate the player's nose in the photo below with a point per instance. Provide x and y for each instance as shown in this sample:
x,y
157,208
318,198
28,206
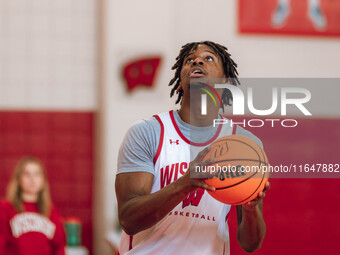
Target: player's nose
x,y
197,61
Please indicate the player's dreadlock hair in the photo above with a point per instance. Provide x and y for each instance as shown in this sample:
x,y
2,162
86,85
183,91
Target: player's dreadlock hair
x,y
229,67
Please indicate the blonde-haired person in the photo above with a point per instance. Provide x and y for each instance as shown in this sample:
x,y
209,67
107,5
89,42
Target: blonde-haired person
x,y
29,224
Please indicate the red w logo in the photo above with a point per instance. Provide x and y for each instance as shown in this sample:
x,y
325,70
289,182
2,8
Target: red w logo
x,y
141,72
193,198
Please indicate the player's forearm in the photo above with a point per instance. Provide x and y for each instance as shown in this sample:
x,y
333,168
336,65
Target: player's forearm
x,y
142,212
252,229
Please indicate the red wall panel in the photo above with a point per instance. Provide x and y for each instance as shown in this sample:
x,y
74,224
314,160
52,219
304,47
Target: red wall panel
x,y
256,16
300,213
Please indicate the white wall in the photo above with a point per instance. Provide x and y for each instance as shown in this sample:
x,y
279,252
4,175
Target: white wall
x,y
137,27
48,54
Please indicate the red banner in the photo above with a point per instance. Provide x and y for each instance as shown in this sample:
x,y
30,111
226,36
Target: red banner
x,y
294,17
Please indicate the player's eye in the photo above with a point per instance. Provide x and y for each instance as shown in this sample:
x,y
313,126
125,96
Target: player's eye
x,y
189,60
209,58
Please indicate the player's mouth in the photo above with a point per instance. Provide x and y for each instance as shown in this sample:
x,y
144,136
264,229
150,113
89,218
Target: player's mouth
x,y
196,72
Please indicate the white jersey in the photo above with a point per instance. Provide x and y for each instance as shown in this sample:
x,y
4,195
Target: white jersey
x,y
198,224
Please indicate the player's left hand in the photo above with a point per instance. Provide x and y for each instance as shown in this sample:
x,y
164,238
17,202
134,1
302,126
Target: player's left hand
x,y
252,204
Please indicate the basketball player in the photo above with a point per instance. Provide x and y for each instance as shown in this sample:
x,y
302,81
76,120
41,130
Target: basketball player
x,y
314,13
161,209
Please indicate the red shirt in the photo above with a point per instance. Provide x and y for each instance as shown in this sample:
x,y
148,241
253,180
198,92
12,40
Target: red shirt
x,y
30,233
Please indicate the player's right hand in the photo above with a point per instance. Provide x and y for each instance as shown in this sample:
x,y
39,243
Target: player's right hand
x,y
191,183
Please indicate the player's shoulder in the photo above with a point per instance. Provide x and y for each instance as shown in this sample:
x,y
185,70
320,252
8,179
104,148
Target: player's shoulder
x,y
145,126
242,131
145,132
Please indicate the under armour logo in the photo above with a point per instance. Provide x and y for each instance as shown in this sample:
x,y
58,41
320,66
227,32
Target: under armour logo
x,y
174,141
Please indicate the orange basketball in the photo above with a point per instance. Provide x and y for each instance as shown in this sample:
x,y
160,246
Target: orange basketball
x,y
240,170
